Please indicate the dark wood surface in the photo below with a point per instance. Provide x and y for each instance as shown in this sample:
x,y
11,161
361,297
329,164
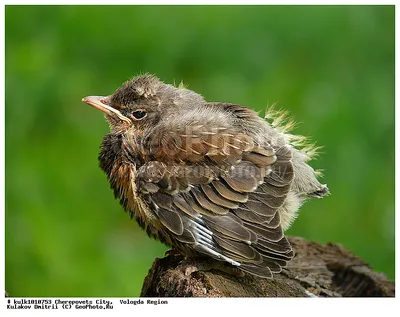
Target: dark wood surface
x,y
316,270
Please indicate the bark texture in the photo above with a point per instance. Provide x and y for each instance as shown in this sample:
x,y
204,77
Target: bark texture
x,y
316,270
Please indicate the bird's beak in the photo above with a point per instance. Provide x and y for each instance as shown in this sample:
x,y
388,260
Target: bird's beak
x,y
102,103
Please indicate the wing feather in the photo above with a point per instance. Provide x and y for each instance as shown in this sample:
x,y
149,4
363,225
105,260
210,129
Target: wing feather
x,y
241,249
258,270
210,192
246,214
218,192
228,227
204,202
227,192
272,234
171,219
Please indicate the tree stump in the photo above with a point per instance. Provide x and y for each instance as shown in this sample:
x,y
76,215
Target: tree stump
x,y
316,271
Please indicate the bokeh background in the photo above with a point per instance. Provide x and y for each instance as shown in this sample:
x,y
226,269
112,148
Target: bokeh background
x,y
332,67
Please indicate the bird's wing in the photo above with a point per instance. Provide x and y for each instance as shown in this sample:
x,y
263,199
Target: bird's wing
x,y
219,193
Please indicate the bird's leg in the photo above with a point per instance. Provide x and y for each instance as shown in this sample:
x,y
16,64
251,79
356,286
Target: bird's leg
x,y
192,265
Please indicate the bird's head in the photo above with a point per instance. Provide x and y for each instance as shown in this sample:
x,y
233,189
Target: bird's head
x,y
141,102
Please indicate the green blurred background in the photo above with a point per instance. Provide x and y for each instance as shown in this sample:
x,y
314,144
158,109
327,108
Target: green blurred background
x,y
331,67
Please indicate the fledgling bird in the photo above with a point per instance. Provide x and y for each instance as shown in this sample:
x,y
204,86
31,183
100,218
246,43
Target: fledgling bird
x,y
206,178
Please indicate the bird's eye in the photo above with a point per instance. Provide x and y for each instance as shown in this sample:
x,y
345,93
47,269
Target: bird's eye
x,y
139,114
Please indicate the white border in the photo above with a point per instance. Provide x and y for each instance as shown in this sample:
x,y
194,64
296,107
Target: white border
x,y
232,306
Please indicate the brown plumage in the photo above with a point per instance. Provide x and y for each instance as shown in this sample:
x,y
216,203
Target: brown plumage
x,y
210,179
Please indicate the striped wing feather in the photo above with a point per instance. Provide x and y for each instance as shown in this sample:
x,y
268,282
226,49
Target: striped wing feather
x,y
221,196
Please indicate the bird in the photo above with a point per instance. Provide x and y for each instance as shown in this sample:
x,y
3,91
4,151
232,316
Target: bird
x,y
209,179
